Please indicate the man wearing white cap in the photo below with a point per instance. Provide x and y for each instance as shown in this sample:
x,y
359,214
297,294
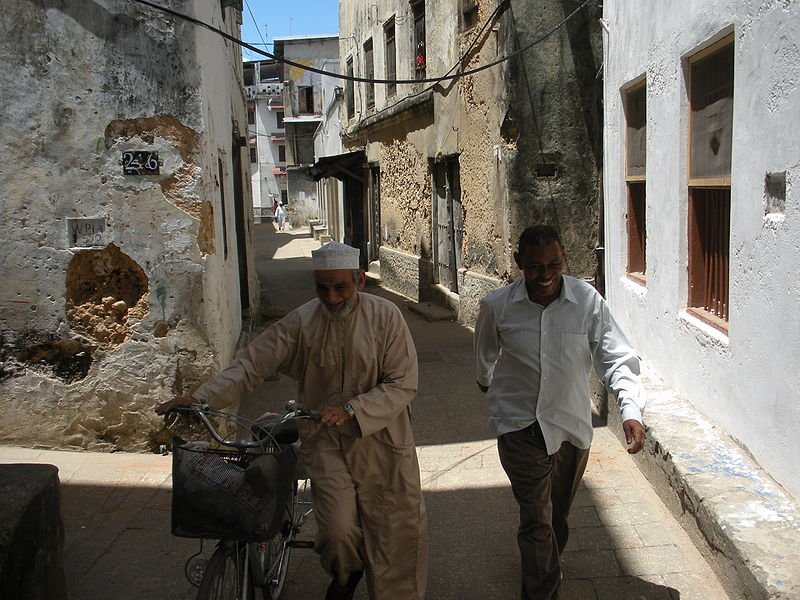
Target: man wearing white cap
x,y
354,360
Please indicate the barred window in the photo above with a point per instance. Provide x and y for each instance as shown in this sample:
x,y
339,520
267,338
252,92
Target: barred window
x,y
710,142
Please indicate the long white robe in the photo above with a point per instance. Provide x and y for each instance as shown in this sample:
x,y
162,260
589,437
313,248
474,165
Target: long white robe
x,y
367,497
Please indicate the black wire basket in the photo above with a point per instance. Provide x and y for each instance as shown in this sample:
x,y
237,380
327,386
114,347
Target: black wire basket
x,y
224,494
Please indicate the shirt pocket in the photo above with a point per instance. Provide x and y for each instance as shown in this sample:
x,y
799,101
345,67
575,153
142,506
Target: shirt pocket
x,y
575,350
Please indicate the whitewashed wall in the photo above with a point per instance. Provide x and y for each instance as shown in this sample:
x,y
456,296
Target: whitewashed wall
x,y
85,82
747,381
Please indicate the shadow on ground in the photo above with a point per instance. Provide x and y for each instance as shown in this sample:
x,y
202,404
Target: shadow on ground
x,y
472,550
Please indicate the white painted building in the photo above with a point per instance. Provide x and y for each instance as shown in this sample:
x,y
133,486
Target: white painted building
x,y
328,145
306,95
702,224
266,135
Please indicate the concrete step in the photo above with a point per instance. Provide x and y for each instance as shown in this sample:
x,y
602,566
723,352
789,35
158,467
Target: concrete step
x,y
742,520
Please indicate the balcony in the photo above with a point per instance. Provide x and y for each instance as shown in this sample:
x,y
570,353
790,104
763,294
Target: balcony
x,y
264,90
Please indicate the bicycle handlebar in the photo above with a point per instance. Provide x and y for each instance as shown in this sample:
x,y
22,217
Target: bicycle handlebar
x,y
294,412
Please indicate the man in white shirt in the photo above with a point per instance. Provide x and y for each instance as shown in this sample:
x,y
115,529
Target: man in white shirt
x,y
535,343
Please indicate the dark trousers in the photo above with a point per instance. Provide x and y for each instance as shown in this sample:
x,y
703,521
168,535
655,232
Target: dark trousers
x,y
544,486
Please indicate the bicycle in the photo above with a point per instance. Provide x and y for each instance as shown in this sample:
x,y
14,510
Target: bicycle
x,y
247,494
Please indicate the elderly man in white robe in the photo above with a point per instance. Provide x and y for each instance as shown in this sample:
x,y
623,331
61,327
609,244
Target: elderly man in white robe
x,y
354,360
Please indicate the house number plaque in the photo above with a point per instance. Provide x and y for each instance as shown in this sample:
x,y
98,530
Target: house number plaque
x,y
140,162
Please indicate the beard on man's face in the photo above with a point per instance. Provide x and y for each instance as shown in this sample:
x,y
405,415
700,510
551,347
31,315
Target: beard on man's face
x,y
340,314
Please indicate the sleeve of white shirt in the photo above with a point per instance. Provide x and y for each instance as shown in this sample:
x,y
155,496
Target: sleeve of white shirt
x,y
487,344
616,362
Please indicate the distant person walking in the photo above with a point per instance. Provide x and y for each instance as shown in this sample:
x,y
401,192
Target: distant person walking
x,y
280,215
535,343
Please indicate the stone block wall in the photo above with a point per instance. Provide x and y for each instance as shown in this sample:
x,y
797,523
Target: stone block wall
x,y
401,272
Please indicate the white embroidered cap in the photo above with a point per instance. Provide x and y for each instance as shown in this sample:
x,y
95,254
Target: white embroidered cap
x,y
334,255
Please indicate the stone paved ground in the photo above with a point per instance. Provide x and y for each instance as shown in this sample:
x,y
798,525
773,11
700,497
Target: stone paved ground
x,y
624,543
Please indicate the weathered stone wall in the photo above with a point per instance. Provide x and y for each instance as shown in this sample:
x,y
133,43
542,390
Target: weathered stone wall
x,y
472,287
526,134
303,204
119,290
482,106
405,197
552,130
401,272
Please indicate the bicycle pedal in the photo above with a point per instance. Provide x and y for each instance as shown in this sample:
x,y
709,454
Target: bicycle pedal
x,y
302,544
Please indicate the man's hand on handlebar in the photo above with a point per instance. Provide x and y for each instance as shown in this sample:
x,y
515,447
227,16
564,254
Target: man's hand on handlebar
x,y
176,402
333,416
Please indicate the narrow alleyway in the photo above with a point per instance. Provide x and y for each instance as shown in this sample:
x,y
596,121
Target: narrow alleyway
x,y
624,543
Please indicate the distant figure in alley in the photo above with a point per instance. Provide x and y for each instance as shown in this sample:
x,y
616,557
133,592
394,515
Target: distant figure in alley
x,y
280,215
354,360
535,343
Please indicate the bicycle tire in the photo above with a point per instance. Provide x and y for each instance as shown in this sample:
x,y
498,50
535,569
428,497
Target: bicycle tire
x,y
278,551
224,576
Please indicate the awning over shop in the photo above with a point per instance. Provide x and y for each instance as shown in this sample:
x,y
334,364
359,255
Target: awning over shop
x,y
340,166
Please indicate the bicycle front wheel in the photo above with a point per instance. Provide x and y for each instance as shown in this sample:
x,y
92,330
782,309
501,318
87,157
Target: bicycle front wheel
x,y
275,558
225,577
274,554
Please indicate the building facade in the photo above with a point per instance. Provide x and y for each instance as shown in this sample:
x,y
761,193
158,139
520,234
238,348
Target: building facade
x,y
702,213
266,136
126,262
306,97
452,171
330,190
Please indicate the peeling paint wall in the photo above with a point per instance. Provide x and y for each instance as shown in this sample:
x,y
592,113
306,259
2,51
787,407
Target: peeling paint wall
x,y
745,381
405,198
504,125
119,289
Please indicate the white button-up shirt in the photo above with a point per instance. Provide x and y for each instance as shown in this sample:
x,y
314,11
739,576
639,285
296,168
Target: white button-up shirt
x,y
536,361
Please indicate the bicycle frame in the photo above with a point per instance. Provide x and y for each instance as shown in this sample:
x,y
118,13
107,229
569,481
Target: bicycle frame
x,y
247,557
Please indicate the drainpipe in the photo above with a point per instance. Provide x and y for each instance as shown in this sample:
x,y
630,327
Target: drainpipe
x,y
600,250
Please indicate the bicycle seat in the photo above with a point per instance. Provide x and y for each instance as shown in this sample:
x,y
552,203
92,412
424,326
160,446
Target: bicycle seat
x,y
284,433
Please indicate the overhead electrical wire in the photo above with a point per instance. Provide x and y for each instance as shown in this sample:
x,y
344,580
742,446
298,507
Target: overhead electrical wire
x,y
252,16
446,77
461,60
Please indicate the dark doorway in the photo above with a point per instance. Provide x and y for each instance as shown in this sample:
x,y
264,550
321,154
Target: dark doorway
x,y
354,234
241,230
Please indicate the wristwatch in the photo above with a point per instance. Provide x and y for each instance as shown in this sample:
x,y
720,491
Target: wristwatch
x,y
348,408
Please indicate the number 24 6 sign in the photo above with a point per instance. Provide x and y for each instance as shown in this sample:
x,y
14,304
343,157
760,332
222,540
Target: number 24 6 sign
x,y
140,162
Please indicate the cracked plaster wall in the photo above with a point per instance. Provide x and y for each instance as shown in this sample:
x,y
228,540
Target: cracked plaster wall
x,y
500,123
93,337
